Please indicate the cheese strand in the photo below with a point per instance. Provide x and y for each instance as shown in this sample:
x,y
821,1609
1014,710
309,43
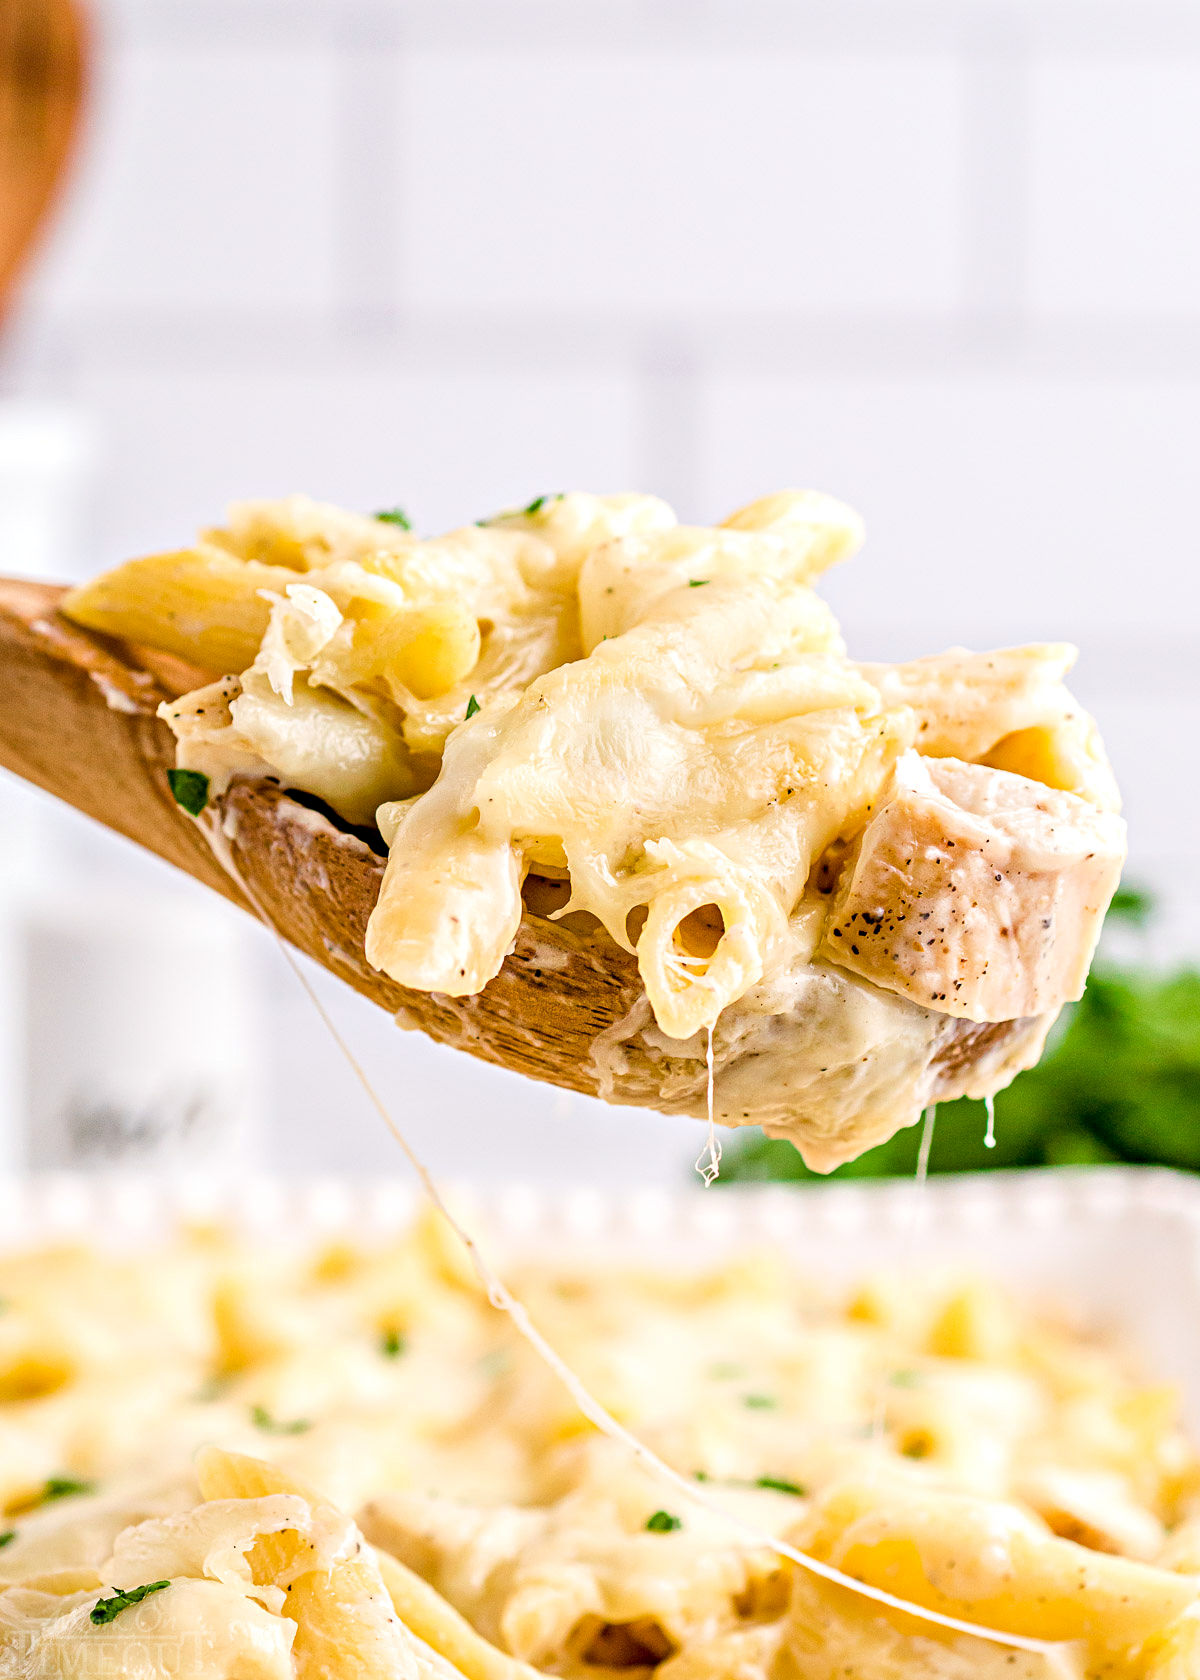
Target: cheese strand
x,y
708,1164
499,1296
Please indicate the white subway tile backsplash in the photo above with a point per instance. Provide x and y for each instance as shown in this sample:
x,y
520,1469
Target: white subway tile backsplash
x,y
996,507
1152,749
670,181
456,255
207,183
185,440
1114,170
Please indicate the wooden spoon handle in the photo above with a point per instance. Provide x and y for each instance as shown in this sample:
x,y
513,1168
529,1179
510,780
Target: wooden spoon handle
x,y
77,717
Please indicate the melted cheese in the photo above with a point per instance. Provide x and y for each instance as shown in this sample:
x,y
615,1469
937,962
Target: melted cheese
x,y
927,1434
667,718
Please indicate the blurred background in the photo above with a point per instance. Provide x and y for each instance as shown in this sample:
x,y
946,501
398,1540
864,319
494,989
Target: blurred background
x,y
940,257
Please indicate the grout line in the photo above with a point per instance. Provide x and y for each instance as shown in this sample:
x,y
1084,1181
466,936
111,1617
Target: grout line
x,y
234,24
994,213
40,360
367,255
951,347
1161,29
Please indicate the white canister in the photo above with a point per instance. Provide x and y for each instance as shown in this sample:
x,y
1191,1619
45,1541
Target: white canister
x,y
136,1031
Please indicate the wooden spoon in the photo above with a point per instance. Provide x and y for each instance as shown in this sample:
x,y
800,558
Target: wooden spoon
x,y
77,717
42,57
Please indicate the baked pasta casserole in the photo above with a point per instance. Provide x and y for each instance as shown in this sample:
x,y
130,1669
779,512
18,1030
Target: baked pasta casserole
x,y
342,1461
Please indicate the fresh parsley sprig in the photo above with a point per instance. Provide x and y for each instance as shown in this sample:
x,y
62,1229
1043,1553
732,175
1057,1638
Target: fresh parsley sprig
x,y
108,1609
64,1487
778,1484
190,789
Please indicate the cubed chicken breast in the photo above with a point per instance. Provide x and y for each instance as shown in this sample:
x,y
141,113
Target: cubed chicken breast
x,y
975,892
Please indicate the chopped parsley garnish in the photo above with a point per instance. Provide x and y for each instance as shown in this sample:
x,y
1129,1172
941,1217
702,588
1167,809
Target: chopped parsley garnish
x,y
190,788
472,706
905,1379
779,1485
662,1522
7,1538
701,1476
726,1370
395,516
760,1402
108,1609
392,1344
63,1487
539,502
698,583
262,1419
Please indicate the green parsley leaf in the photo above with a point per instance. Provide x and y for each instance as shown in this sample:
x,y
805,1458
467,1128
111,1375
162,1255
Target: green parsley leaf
x,y
392,1344
108,1609
701,1476
7,1538
262,1419
539,502
395,516
662,1522
472,706
63,1487
190,788
1131,904
698,583
779,1485
760,1402
905,1379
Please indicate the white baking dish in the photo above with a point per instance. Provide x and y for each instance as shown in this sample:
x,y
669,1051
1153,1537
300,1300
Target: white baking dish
x,y
1119,1245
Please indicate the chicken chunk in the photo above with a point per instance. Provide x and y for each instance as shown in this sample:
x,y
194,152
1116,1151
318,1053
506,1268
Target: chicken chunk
x,y
975,892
